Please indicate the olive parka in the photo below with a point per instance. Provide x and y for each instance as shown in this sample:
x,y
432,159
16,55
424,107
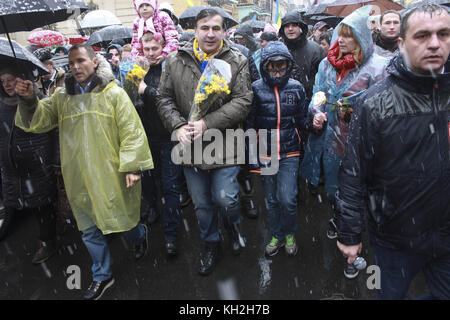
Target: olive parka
x,y
177,89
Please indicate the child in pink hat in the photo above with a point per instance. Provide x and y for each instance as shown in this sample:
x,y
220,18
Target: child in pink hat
x,y
150,19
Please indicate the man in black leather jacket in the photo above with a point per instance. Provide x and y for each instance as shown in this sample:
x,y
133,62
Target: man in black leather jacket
x,y
396,171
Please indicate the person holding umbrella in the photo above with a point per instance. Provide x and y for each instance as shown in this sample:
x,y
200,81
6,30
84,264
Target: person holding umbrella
x,y
103,150
27,174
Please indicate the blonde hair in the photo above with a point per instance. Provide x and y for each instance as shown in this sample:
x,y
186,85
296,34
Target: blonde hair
x,y
345,31
149,36
127,47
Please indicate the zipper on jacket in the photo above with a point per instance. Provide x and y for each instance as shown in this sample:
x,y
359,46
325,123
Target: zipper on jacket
x,y
10,149
277,96
435,102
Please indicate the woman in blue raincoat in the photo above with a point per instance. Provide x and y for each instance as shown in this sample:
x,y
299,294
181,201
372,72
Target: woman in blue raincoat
x,y
351,67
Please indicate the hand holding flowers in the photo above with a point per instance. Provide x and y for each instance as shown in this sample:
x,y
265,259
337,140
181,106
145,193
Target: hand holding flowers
x,y
319,100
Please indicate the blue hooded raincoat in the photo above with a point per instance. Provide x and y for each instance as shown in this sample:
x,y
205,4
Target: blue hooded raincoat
x,y
329,143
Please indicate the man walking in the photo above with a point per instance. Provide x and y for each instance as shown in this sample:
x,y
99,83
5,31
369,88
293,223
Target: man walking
x,y
396,170
103,149
213,187
167,173
319,29
386,39
307,54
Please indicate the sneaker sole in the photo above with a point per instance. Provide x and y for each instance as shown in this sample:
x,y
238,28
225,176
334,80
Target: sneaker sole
x,y
332,237
351,276
105,288
275,252
291,254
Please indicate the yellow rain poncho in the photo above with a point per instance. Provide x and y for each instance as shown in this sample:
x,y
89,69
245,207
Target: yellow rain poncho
x,y
102,139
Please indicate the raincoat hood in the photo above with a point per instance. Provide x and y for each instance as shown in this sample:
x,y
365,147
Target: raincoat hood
x,y
271,50
103,76
138,3
358,22
293,17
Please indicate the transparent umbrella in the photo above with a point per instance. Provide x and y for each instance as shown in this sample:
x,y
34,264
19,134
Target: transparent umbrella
x,y
99,19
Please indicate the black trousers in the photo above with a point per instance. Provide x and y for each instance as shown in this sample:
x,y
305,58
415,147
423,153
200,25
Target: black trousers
x,y
45,217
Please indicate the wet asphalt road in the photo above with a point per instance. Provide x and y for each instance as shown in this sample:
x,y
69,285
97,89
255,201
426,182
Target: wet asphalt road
x,y
316,272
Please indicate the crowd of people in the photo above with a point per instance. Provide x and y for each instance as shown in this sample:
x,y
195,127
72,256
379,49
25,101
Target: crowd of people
x,y
366,112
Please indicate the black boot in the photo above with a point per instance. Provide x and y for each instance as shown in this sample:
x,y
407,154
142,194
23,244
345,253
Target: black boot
x,y
209,258
46,250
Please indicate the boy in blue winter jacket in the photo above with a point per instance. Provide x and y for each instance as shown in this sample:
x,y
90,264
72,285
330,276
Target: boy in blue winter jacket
x,y
279,106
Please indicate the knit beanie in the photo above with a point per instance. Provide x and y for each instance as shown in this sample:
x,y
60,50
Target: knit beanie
x,y
138,3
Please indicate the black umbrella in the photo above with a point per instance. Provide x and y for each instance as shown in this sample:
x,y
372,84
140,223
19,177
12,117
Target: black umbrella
x,y
104,36
22,56
23,15
187,18
332,21
26,15
256,25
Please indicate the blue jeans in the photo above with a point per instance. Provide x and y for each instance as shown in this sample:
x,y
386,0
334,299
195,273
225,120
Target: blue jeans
x,y
97,247
398,269
214,191
281,196
168,175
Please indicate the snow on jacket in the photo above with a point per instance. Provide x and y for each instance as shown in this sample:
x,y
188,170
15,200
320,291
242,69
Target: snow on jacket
x,y
156,132
306,53
279,104
160,23
176,92
329,143
246,31
26,161
396,172
101,139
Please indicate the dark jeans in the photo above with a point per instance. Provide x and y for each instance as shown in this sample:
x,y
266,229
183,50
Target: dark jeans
x,y
45,217
398,269
167,175
281,195
214,191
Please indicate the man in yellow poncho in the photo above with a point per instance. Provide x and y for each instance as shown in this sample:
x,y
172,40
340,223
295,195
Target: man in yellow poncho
x,y
103,149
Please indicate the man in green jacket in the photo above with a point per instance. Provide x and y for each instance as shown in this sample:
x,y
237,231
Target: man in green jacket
x,y
103,149
212,185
